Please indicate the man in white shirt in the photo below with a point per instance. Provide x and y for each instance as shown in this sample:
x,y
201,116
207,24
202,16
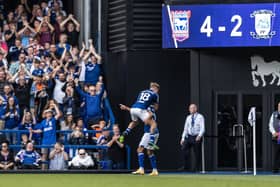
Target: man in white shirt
x,y
82,160
192,136
58,93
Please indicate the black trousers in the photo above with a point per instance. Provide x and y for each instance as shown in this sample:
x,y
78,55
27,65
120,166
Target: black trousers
x,y
191,145
276,155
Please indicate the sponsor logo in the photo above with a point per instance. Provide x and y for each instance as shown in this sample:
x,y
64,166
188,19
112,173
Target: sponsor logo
x,y
262,24
181,24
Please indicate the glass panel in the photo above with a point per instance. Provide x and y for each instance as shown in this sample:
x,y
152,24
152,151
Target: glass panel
x,y
248,102
226,118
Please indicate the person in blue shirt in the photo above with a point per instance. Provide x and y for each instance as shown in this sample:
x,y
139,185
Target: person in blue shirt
x,y
28,158
37,71
139,110
48,129
28,122
8,92
93,66
144,145
10,114
62,45
93,110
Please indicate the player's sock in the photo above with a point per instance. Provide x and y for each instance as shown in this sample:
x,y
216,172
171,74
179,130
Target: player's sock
x,y
127,131
153,162
141,160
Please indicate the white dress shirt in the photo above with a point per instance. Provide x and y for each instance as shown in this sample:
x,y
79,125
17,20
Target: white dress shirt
x,y
195,129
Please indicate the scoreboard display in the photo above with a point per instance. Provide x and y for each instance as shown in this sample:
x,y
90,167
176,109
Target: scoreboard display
x,y
221,25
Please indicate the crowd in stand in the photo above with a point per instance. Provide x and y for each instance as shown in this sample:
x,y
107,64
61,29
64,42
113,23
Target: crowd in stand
x,y
48,83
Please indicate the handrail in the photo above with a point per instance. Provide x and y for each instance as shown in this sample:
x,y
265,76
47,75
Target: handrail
x,y
18,146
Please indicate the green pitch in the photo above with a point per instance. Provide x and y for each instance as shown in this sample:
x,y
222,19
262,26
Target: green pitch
x,y
126,180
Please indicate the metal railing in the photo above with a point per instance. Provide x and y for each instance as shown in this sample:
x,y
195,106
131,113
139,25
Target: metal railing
x,y
18,146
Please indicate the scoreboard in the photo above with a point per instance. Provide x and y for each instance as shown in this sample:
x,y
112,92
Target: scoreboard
x,y
221,25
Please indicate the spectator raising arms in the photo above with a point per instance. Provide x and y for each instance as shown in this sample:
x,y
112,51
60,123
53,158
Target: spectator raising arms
x,y
44,75
48,128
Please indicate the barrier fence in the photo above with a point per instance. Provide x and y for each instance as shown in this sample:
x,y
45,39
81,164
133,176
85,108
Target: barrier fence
x,y
17,146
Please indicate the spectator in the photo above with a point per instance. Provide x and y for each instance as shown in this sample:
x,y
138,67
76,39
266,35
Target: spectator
x,y
58,157
2,121
45,31
77,136
65,125
69,104
8,92
38,96
22,87
68,123
28,158
39,61
28,122
26,33
58,93
48,128
11,117
72,29
3,81
62,45
81,161
116,149
92,67
10,34
3,60
6,157
15,50
93,111
103,140
15,66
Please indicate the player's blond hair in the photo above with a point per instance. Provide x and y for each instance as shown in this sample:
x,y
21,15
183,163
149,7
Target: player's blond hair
x,y
154,84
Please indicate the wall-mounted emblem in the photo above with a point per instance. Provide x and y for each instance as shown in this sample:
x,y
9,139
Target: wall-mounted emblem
x,y
181,24
261,70
263,24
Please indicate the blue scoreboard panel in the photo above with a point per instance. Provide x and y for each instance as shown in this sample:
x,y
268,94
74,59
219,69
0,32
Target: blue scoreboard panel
x,y
221,25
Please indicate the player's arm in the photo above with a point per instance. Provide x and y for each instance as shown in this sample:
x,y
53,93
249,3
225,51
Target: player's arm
x,y
156,106
156,102
124,107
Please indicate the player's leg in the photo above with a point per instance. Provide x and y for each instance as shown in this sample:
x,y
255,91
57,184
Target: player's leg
x,y
147,118
152,157
127,131
142,146
134,117
153,133
141,156
131,125
153,162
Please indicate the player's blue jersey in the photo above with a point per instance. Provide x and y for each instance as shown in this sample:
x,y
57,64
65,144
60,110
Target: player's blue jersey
x,y
148,127
145,99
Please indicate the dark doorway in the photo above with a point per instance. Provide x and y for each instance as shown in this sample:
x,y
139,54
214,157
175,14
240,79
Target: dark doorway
x,y
231,118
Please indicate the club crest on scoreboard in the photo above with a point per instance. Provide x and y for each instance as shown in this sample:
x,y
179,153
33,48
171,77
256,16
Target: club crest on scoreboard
x,y
263,28
181,24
